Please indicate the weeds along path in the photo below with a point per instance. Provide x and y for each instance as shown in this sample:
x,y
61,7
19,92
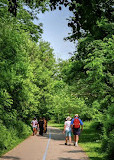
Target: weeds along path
x,y
48,147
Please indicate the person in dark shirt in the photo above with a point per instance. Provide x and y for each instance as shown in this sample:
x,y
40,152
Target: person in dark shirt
x,y
41,126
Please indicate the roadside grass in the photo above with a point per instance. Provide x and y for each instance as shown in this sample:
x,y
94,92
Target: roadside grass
x,y
60,126
12,145
10,138
90,140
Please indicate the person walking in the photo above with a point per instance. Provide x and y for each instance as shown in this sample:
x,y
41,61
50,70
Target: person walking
x,y
41,126
34,124
75,125
67,130
45,125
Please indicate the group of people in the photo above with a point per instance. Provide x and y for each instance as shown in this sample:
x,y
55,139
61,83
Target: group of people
x,y
70,126
40,125
73,126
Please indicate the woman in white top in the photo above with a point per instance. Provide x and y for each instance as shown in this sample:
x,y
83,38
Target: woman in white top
x,y
34,126
67,130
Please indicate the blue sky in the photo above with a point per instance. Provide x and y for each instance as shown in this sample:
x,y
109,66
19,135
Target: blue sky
x,y
55,29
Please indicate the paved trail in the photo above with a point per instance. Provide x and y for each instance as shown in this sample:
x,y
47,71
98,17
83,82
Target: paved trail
x,y
48,147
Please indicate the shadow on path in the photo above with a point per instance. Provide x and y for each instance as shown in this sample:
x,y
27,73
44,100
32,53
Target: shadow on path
x,y
69,159
56,134
76,151
9,157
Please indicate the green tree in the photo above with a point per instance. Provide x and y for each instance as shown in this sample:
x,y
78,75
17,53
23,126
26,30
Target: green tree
x,y
90,17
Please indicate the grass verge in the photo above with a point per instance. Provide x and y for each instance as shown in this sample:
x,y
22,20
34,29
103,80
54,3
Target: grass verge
x,y
90,141
12,136
17,141
60,126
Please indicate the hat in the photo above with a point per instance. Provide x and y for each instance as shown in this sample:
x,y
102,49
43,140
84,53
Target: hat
x,y
76,115
68,118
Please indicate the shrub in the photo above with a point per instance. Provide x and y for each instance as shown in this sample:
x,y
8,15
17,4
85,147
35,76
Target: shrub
x,y
11,136
108,133
22,129
110,146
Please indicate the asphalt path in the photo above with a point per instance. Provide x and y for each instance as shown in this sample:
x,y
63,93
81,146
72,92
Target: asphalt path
x,y
50,146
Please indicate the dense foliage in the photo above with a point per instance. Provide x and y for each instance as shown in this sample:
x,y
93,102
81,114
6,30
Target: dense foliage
x,y
33,84
26,70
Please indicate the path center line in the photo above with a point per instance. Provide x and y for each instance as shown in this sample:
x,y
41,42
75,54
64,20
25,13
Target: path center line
x,y
44,157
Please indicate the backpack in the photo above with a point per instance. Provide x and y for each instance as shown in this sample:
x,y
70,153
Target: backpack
x,y
76,123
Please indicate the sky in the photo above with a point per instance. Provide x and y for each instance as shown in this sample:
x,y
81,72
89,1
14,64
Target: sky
x,y
55,30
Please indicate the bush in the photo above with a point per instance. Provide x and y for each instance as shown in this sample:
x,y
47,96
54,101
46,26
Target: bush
x,y
22,129
108,133
11,136
3,136
110,146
